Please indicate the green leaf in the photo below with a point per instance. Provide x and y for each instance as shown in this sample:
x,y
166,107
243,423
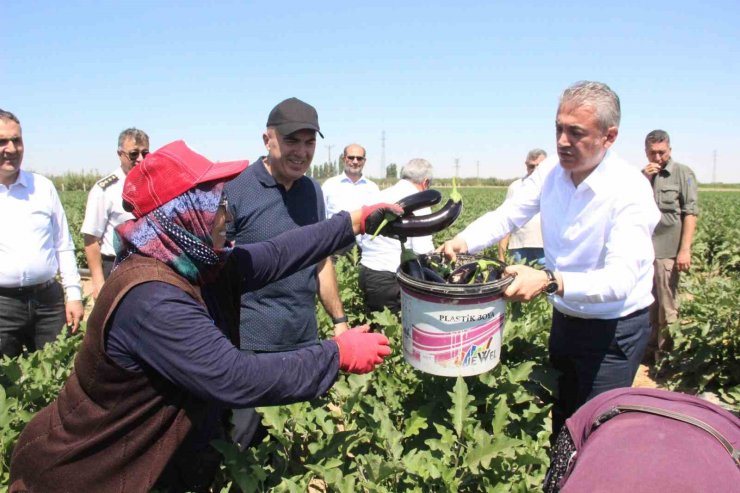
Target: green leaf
x,y
500,416
460,405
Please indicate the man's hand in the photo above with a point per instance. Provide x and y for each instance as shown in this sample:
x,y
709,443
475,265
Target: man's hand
x,y
683,261
451,248
528,283
74,311
651,169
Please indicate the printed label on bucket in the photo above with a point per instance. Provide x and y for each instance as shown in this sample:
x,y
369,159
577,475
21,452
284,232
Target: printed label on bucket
x,y
452,337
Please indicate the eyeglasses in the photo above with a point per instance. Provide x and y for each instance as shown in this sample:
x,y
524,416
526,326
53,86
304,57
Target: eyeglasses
x,y
133,155
355,158
228,217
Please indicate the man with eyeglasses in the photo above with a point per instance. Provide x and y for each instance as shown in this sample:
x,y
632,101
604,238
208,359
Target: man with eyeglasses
x,y
35,245
104,209
350,189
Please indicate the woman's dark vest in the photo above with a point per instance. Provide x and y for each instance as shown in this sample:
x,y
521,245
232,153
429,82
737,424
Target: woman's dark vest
x,y
110,429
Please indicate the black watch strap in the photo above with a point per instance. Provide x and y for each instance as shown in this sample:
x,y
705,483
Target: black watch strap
x,y
552,283
339,320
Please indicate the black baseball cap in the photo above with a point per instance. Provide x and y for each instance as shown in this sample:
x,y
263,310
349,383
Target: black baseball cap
x,y
292,115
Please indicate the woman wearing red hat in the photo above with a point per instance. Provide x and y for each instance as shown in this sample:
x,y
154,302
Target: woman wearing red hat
x,y
158,362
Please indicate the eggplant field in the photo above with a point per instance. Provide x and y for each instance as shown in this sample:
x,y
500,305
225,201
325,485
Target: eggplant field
x,y
401,430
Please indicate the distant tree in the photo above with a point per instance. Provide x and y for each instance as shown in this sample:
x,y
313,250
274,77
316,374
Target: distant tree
x,y
391,171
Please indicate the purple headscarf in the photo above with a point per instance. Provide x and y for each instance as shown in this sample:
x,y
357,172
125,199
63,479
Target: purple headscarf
x,y
178,233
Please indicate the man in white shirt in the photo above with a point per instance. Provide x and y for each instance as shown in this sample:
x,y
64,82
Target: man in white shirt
x,y
382,256
34,246
598,216
349,190
525,243
104,210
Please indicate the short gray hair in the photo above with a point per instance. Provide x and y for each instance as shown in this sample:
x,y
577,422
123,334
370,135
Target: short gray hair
x,y
138,136
534,154
597,95
417,170
657,136
8,116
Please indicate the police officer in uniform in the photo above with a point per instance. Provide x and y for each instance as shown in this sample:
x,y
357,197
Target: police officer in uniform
x,y
104,209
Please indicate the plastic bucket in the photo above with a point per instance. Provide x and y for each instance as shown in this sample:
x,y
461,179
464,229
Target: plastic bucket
x,y
452,329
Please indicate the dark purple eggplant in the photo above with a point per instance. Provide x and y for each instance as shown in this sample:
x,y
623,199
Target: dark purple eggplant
x,y
410,264
425,225
463,274
426,198
408,226
431,276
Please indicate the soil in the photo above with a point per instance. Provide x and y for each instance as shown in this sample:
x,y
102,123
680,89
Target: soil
x,y
643,380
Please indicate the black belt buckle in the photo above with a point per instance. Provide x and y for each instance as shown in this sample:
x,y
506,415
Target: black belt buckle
x,y
25,290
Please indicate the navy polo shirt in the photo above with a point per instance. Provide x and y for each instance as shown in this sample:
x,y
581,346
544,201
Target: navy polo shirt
x,y
280,316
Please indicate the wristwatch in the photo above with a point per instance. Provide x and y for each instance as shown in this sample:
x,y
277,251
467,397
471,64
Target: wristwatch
x,y
552,284
339,320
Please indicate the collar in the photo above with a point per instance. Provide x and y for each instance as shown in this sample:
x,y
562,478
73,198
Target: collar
x,y
599,177
267,180
668,168
23,179
347,179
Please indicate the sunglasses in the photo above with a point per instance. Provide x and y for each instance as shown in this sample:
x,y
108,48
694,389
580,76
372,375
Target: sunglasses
x,y
355,158
133,155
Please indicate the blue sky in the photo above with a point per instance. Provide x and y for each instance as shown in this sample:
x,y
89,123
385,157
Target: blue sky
x,y
476,81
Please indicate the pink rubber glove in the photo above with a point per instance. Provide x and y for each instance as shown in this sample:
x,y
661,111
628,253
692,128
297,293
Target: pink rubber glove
x,y
373,216
361,351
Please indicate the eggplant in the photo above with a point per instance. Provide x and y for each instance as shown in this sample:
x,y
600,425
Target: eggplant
x,y
409,204
407,226
477,272
426,198
432,276
410,263
463,274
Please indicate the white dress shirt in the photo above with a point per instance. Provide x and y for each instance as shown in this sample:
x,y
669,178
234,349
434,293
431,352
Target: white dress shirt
x,y
529,235
104,210
342,194
35,242
597,235
384,254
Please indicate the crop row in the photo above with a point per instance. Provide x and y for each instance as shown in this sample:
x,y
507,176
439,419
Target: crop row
x,y
401,430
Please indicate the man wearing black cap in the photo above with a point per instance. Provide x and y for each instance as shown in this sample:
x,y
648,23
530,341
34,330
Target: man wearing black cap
x,y
271,196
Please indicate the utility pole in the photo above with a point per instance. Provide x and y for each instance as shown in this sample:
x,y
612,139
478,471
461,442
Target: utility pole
x,y
328,147
457,167
714,166
382,154
477,170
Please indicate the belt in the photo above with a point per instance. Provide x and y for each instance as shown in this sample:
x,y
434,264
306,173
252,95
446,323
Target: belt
x,y
623,317
25,290
109,258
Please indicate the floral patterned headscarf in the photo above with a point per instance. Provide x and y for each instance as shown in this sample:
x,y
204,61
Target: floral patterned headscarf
x,y
178,233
